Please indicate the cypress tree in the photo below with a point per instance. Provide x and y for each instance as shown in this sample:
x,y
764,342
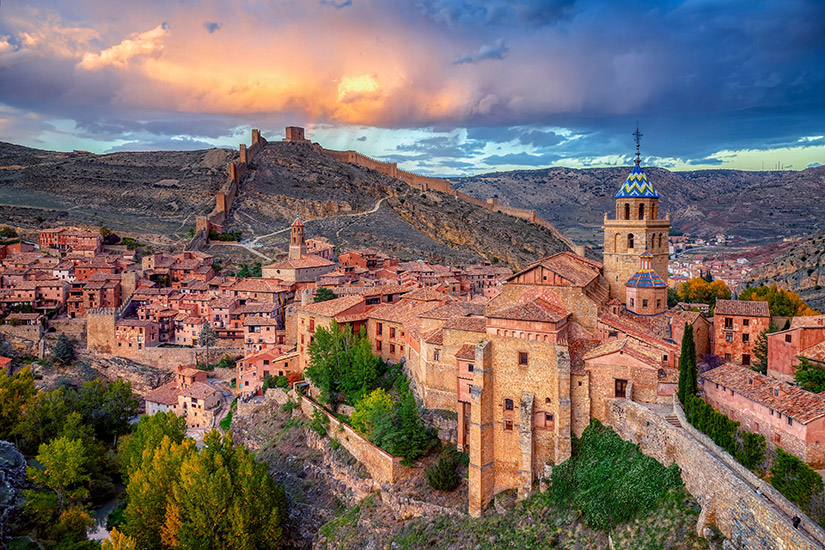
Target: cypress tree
x,y
688,372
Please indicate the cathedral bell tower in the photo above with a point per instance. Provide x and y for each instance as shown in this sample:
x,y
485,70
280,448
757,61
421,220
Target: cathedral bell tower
x,y
637,229
297,243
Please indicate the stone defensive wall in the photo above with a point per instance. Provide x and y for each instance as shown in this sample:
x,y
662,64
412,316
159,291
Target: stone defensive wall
x,y
427,183
168,358
226,195
382,466
725,489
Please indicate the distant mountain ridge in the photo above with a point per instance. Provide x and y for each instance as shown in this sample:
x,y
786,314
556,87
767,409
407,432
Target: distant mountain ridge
x,y
757,206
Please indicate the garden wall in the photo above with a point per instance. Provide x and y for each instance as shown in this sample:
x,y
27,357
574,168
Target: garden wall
x,y
725,489
382,466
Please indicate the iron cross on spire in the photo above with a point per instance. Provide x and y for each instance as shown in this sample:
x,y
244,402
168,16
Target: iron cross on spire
x,y
638,136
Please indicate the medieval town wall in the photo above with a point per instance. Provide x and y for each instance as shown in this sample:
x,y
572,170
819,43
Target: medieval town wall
x,y
24,339
100,330
382,466
725,489
170,358
226,195
75,329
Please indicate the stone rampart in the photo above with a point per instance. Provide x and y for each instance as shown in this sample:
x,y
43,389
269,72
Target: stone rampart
x,y
725,489
75,329
382,466
24,339
100,330
168,358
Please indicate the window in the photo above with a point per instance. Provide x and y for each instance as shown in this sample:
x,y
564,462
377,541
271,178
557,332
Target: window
x,y
621,388
746,322
788,338
379,329
644,304
436,354
312,325
641,211
508,425
630,240
746,338
729,337
547,400
776,393
470,367
392,332
776,438
632,302
522,358
658,303
378,345
548,418
664,357
727,357
790,421
392,348
729,323
626,211
508,404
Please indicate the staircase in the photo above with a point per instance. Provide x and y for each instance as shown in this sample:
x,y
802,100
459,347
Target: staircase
x,y
672,420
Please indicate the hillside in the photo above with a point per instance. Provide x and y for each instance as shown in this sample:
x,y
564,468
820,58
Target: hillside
x,y
755,206
152,192
800,269
160,193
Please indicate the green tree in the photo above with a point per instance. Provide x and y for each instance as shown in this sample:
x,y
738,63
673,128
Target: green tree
x,y
63,465
207,339
795,479
323,294
809,376
15,391
149,490
371,411
42,418
783,303
147,436
64,349
340,362
319,423
224,499
688,372
443,475
408,436
760,349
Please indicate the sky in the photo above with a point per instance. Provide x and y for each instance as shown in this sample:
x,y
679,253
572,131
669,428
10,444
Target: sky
x,y
443,87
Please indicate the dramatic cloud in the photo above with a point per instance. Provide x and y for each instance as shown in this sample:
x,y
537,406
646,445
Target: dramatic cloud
x,y
466,83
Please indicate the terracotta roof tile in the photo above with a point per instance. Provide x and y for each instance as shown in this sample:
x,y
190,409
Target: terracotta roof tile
x,y
331,308
166,394
536,310
199,390
467,352
470,324
742,307
803,406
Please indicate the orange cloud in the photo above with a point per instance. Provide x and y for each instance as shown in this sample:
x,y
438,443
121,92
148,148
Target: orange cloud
x,y
149,43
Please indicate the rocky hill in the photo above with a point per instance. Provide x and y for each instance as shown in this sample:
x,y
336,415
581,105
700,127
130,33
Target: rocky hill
x,y
357,207
756,206
153,192
160,193
800,269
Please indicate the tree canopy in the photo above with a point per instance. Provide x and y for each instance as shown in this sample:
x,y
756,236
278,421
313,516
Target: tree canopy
x,y
701,291
324,294
688,372
783,303
760,349
809,376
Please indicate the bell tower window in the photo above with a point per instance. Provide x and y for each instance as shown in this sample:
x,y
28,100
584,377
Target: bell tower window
x,y
630,241
626,211
641,211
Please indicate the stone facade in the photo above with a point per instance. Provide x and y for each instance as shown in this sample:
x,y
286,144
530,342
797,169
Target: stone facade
x,y
736,327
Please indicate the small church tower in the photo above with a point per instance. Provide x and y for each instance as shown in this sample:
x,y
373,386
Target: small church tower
x,y
297,242
636,229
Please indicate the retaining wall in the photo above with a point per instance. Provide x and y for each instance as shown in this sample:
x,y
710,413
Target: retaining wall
x,y
725,489
382,466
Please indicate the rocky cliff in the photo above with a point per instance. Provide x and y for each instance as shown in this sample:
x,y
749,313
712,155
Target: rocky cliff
x,y
800,269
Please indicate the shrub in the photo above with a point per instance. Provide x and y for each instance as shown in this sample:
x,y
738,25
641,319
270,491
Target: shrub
x,y
319,422
443,475
799,483
64,349
610,481
290,406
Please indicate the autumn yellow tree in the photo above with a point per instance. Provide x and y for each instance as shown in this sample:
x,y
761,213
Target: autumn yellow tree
x,y
119,541
783,303
700,291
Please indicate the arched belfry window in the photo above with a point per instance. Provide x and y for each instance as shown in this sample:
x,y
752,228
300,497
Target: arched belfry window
x,y
641,211
630,241
660,241
626,211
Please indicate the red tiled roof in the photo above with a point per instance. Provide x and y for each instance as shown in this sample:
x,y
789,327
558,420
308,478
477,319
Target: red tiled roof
x,y
745,308
631,347
436,337
331,308
579,271
803,406
166,394
426,295
470,324
536,310
808,321
199,390
308,261
467,351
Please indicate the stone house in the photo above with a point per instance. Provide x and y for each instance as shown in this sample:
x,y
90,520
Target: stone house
x,y
788,416
300,266
254,368
67,239
261,333
805,338
134,335
736,326
311,316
